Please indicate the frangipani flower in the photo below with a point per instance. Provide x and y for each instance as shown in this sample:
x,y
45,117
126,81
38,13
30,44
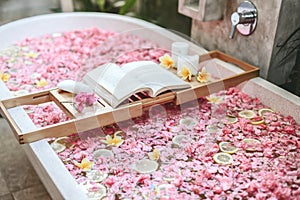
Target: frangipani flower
x,y
113,141
214,99
154,155
203,76
41,83
167,61
85,164
31,55
4,76
185,73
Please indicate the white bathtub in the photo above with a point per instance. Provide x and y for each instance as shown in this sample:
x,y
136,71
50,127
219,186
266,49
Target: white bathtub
x,y
58,181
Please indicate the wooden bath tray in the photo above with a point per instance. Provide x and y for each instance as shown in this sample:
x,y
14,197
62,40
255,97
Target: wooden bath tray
x,y
103,114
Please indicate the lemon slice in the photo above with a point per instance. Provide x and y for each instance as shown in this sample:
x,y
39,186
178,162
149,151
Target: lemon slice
x,y
162,190
62,140
223,158
252,144
102,153
248,114
21,92
212,128
188,122
98,191
177,140
263,111
230,119
257,120
227,147
145,166
93,190
96,176
175,129
59,144
57,147
168,178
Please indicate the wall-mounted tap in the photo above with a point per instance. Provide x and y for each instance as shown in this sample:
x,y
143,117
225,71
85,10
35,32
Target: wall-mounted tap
x,y
244,20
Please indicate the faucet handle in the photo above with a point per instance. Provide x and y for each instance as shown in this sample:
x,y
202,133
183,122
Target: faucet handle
x,y
235,20
244,20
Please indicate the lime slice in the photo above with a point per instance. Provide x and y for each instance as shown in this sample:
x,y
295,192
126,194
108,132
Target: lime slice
x,y
177,140
188,122
248,114
264,111
223,158
230,119
102,153
96,176
145,166
227,147
257,120
98,191
252,144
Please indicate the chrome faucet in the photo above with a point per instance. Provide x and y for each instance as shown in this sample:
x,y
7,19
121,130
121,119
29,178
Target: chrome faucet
x,y
244,20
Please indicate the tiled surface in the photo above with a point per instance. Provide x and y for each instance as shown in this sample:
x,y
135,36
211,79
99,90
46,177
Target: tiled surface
x,y
7,197
18,180
3,187
36,192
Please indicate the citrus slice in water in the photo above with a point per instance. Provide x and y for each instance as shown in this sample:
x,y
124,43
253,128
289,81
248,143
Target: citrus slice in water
x,y
177,140
145,166
93,190
248,114
211,128
96,176
264,111
227,147
57,147
257,120
102,153
188,122
59,144
96,192
163,191
230,119
251,144
223,158
21,92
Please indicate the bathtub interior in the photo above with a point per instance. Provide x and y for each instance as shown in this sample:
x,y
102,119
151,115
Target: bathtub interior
x,y
58,181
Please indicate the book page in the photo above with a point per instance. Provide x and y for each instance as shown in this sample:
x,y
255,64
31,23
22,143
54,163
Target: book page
x,y
110,76
115,80
115,84
154,76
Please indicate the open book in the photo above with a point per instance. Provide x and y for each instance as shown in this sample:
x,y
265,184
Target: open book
x,y
116,83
